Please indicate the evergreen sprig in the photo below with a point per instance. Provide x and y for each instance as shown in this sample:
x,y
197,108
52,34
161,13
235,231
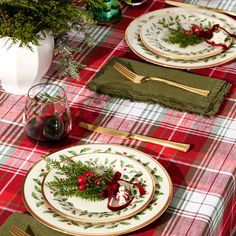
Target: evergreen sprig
x,y
179,36
68,185
28,21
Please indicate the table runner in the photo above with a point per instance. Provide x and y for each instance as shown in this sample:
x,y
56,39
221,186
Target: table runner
x,y
204,200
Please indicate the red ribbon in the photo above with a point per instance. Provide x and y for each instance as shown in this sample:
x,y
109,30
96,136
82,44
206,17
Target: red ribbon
x,y
208,34
113,188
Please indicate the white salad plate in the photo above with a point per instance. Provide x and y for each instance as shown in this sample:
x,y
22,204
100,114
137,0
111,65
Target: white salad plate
x,y
156,33
42,211
134,41
79,209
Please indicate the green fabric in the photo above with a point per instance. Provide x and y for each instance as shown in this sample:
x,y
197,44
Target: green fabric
x,y
29,225
111,82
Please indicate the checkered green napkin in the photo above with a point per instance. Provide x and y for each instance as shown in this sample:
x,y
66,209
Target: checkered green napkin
x,y
29,225
110,81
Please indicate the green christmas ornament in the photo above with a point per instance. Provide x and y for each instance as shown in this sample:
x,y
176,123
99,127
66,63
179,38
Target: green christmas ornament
x,y
110,13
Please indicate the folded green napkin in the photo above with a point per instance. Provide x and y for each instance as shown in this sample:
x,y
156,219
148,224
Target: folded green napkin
x,y
110,81
29,225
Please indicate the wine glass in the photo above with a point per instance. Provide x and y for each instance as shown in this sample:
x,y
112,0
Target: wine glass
x,y
47,117
135,2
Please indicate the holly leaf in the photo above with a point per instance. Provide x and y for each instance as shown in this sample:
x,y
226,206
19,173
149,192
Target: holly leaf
x,y
39,204
85,150
34,195
125,176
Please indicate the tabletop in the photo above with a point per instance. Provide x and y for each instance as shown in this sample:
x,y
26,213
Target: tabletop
x,y
204,200
227,5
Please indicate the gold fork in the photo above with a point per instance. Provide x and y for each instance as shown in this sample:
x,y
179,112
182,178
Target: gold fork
x,y
140,79
15,231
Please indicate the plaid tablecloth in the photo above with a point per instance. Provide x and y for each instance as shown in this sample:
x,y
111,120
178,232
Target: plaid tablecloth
x,y
204,201
228,5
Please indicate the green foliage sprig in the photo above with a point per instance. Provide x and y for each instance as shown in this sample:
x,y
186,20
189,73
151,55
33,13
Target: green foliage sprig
x,y
68,185
179,36
28,21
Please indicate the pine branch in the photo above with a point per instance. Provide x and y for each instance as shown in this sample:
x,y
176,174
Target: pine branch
x,y
28,21
71,170
3,16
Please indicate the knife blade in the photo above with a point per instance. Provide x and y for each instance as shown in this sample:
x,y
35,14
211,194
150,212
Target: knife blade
x,y
188,5
126,135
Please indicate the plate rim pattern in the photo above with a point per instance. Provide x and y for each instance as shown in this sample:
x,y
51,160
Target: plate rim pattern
x,y
111,231
99,221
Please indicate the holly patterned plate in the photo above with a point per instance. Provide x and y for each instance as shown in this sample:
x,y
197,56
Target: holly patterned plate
x,y
79,209
38,207
132,36
156,33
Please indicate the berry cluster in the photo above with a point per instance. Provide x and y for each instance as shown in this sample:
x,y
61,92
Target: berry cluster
x,y
88,176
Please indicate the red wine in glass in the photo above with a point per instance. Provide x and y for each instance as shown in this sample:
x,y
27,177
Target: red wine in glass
x,y
47,117
48,128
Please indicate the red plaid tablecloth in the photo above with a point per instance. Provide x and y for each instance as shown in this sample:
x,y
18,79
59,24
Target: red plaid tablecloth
x,y
228,5
204,201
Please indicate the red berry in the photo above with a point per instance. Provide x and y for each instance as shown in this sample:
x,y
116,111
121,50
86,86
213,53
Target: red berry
x,y
98,182
89,173
82,187
82,179
187,32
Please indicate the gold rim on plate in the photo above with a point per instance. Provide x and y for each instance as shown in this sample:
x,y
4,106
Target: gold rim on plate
x,y
153,58
120,216
77,230
184,57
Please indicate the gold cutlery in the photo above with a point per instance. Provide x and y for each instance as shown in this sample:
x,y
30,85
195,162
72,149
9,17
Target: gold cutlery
x,y
126,135
15,231
188,5
140,79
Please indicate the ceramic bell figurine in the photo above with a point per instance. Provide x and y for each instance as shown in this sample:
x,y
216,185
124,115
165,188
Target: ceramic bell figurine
x,y
123,195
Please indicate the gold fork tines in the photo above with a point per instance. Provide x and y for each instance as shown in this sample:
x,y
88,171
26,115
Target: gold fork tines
x,y
15,231
140,79
126,72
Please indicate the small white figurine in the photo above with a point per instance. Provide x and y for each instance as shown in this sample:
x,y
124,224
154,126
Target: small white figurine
x,y
122,195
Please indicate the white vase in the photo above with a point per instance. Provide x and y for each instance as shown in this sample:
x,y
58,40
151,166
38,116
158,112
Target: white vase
x,y
20,67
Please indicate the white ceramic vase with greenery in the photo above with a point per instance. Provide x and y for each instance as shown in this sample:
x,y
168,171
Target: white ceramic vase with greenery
x,y
23,67
28,31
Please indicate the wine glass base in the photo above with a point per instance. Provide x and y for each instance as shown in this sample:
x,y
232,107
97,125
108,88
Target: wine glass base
x,y
135,2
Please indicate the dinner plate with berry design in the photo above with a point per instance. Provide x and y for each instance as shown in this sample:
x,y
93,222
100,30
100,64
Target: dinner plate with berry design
x,y
173,36
40,209
132,36
74,187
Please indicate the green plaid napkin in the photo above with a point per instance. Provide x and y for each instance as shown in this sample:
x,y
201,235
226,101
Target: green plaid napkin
x,y
29,225
110,81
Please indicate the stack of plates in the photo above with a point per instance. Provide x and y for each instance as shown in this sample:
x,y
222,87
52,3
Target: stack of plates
x,y
146,36
77,216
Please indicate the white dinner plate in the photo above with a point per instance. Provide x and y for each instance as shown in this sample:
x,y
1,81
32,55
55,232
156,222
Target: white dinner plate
x,y
38,207
83,210
156,33
133,40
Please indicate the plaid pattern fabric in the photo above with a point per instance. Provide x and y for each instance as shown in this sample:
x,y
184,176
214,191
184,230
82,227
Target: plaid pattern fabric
x,y
228,5
204,178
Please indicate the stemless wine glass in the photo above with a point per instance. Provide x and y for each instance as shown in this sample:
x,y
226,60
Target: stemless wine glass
x,y
135,2
47,117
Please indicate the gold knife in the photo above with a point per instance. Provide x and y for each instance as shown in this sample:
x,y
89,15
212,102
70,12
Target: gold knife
x,y
126,135
188,5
